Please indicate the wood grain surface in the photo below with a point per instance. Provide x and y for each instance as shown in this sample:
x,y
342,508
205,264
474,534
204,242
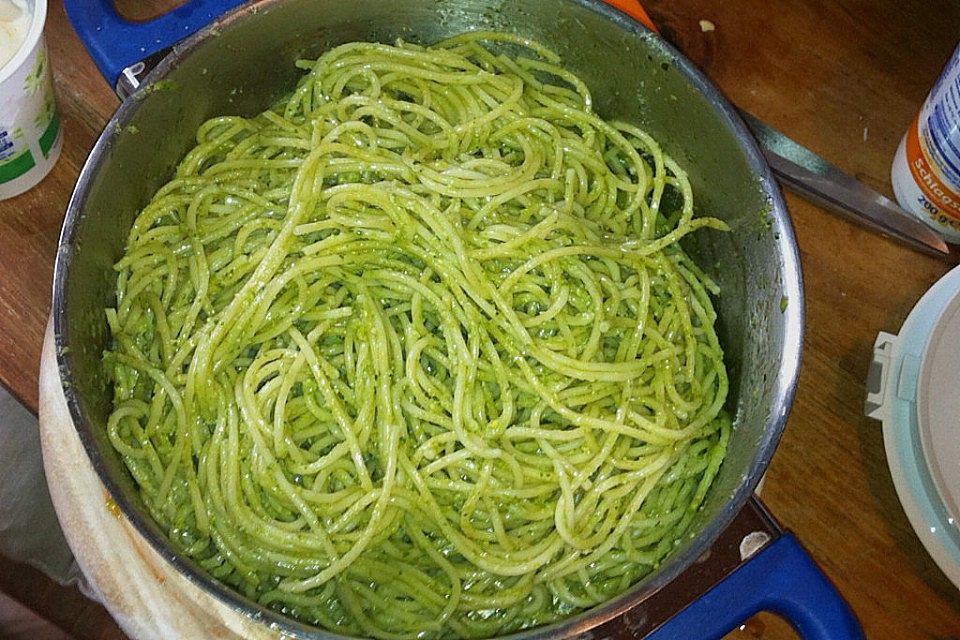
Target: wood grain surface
x,y
843,77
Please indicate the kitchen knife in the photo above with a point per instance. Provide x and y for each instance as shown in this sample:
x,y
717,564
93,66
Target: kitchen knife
x,y
821,182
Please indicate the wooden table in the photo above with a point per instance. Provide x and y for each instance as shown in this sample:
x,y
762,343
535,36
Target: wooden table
x,y
842,77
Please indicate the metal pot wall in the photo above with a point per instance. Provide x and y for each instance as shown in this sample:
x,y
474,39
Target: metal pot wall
x,y
244,61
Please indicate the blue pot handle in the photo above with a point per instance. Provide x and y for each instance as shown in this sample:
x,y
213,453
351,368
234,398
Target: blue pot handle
x,y
115,43
781,578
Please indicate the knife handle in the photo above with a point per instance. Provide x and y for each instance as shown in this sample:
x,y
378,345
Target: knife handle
x,y
635,10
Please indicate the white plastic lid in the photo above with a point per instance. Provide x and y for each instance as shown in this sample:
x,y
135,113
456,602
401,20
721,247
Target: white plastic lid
x,y
938,407
914,389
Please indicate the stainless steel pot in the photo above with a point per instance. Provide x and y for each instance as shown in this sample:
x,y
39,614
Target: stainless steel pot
x,y
244,61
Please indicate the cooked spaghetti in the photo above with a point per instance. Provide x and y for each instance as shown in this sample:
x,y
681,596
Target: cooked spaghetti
x,y
416,352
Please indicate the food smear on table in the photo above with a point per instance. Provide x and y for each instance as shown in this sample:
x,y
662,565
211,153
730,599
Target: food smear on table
x,y
417,352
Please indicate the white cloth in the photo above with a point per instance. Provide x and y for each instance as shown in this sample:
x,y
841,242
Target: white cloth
x,y
29,531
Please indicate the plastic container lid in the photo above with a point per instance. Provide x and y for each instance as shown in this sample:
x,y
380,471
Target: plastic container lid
x,y
938,407
914,389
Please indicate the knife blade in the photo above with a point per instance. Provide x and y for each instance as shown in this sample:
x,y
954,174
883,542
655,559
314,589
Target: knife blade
x,y
823,183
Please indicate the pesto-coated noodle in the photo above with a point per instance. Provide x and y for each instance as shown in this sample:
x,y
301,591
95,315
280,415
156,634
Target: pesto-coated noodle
x,y
416,352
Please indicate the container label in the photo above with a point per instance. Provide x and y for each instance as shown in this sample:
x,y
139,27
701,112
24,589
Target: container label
x,y
6,145
30,128
932,149
17,166
939,196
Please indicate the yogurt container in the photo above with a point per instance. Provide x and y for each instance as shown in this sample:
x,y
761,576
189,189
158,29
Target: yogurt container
x,y
30,135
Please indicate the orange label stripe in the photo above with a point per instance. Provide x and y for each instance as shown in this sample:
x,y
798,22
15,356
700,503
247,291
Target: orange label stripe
x,y
927,177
